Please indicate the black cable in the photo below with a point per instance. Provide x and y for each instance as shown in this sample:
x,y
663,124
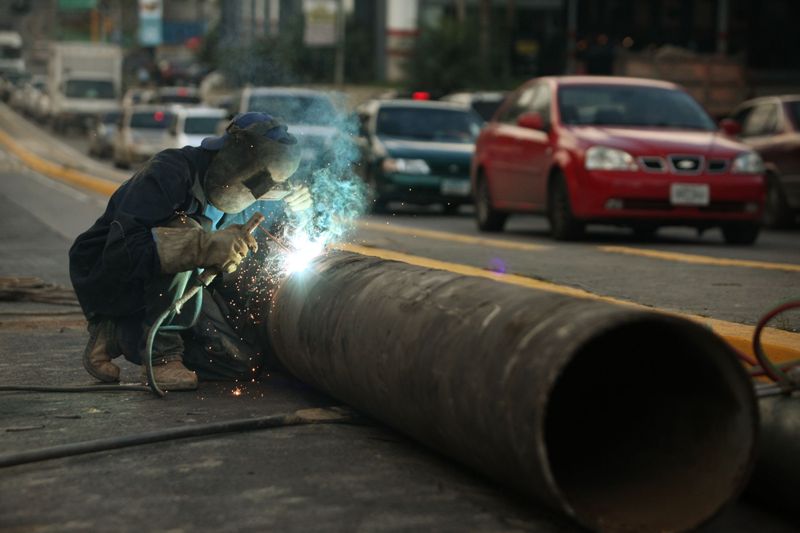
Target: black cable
x,y
42,313
72,388
329,415
773,371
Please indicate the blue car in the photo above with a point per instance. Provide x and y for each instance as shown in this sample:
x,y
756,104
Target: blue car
x,y
417,152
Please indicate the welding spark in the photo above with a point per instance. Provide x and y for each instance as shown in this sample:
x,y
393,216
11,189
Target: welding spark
x,y
304,250
298,250
275,239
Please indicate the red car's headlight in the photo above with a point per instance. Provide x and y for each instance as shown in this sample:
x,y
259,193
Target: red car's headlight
x,y
748,163
605,158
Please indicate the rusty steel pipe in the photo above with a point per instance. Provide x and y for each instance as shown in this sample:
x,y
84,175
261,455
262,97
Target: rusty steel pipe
x,y
620,418
776,479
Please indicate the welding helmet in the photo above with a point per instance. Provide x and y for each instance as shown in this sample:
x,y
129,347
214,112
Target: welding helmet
x,y
255,152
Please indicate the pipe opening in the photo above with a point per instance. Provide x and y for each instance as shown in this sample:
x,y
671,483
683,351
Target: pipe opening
x,y
650,427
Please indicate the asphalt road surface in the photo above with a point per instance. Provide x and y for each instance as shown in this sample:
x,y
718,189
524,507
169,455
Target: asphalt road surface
x,y
676,270
329,478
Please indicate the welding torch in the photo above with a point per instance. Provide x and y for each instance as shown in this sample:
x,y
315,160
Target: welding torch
x,y
203,280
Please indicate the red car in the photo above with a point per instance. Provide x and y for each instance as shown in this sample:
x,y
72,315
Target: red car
x,y
623,151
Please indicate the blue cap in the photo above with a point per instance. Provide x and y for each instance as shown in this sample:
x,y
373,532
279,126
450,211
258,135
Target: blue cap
x,y
244,120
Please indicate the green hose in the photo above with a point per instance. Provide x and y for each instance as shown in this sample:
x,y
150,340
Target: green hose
x,y
174,308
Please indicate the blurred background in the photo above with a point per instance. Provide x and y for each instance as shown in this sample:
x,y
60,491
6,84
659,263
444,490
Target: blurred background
x,y
750,47
139,76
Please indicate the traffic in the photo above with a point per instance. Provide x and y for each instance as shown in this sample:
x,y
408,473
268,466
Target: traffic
x,y
580,151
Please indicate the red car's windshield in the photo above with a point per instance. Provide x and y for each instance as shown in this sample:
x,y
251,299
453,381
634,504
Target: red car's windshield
x,y
616,105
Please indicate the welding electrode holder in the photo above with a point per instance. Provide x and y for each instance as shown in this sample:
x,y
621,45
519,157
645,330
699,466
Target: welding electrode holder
x,y
203,280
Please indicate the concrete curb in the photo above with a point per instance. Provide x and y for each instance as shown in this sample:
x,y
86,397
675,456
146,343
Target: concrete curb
x,y
58,171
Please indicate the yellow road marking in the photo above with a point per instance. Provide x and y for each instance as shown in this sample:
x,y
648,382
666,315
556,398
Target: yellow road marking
x,y
781,345
57,171
700,259
453,237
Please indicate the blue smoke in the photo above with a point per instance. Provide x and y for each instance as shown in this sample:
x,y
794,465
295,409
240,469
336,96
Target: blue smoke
x,y
339,195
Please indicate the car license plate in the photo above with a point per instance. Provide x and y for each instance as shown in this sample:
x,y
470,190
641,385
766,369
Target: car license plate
x,y
456,187
689,194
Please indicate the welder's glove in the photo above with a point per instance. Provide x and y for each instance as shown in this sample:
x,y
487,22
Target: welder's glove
x,y
182,249
298,200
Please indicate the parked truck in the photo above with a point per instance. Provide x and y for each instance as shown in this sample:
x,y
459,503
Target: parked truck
x,y
11,52
84,81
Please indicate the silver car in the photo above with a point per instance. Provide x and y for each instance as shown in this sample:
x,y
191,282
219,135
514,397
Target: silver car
x,y
310,114
142,133
102,134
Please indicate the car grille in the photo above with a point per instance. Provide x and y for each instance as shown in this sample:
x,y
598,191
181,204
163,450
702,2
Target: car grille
x,y
653,164
449,169
682,164
717,165
686,164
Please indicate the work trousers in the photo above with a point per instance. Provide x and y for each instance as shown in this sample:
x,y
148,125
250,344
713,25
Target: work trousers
x,y
220,344
228,339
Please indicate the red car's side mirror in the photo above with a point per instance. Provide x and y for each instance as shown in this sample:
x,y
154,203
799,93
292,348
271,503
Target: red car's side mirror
x,y
730,127
531,120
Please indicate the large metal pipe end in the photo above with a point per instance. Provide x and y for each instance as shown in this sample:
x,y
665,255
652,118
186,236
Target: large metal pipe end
x,y
626,420
650,427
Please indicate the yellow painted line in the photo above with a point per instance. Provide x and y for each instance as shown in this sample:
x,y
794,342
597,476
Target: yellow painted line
x,y
779,344
700,259
57,171
452,237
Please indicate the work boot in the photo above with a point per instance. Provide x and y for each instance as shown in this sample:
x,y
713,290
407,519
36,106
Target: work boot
x,y
172,375
100,350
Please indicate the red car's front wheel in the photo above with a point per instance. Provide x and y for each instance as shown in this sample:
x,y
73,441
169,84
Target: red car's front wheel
x,y
488,218
563,224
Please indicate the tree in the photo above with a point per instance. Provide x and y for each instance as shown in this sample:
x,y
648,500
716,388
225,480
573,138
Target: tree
x,y
445,58
485,37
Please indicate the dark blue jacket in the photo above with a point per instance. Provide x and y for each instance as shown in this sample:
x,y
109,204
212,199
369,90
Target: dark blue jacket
x,y
110,263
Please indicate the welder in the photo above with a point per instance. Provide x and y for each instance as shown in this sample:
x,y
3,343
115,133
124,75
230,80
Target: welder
x,y
160,229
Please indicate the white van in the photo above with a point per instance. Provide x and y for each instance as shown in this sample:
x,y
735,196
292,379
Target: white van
x,y
190,125
141,134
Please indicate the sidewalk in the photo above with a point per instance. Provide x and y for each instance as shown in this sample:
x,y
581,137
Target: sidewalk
x,y
41,143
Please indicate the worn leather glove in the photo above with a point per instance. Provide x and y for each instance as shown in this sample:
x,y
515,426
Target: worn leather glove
x,y
182,249
298,200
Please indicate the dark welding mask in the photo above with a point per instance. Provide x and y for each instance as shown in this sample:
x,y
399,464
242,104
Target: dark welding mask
x,y
255,153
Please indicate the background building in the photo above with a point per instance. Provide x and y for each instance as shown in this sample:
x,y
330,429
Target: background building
x,y
477,43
